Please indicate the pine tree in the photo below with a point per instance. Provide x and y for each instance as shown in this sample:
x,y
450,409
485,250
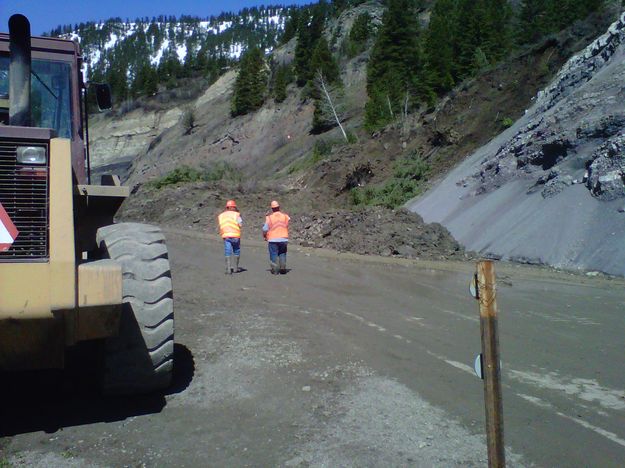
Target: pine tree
x,y
439,47
497,39
467,36
540,17
318,21
250,86
290,27
282,79
307,37
395,69
377,111
532,23
303,51
359,34
322,60
150,80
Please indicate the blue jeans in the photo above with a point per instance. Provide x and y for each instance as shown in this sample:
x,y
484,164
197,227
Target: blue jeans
x,y
276,249
232,245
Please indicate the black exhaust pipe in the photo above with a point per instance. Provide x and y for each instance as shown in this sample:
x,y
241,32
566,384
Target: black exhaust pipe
x,y
19,71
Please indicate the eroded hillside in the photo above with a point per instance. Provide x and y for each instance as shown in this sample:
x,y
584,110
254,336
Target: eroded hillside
x,y
274,153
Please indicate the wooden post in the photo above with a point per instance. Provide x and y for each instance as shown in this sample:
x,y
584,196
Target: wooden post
x,y
491,368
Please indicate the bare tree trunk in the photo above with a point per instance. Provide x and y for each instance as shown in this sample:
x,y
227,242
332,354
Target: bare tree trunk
x,y
390,108
406,105
331,104
404,127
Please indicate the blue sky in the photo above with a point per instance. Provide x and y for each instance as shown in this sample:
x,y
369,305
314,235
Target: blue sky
x,y
47,14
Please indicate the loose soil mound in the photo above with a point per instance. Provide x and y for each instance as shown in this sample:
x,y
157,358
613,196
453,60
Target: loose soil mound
x,y
374,230
378,231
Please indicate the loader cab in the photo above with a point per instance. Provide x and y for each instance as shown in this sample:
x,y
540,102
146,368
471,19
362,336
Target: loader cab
x,y
57,94
50,95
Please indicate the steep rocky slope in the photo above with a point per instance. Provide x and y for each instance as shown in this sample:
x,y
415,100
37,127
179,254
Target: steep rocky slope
x,y
551,189
119,140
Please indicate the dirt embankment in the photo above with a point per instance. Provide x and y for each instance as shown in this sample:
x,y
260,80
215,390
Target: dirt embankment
x,y
374,230
378,231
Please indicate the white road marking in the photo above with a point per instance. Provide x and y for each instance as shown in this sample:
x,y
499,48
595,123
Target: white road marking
x,y
416,320
357,317
607,434
361,319
535,400
456,364
461,366
376,326
584,389
459,315
557,317
602,432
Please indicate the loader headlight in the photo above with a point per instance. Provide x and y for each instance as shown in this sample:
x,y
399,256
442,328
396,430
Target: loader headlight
x,y
31,155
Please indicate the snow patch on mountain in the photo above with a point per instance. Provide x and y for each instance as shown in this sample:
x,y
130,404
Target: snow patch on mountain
x,y
96,48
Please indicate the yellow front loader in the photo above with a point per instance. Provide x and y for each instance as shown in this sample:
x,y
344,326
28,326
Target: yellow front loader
x,y
68,274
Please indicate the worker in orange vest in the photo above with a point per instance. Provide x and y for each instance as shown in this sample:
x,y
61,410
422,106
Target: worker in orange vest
x,y
230,223
276,232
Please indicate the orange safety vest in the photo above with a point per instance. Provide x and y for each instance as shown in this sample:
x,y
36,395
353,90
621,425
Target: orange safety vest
x,y
228,224
278,223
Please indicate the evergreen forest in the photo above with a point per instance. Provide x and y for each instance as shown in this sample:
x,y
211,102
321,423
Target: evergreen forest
x,y
411,60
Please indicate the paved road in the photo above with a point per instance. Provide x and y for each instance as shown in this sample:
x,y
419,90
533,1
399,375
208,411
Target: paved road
x,y
347,361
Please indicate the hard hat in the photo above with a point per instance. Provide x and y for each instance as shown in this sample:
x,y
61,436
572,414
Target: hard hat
x,y
275,204
231,204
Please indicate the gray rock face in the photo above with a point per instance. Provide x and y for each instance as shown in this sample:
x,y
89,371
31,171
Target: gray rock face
x,y
549,188
606,174
569,122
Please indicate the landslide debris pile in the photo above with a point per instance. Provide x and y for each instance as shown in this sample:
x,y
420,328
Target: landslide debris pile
x,y
373,231
377,231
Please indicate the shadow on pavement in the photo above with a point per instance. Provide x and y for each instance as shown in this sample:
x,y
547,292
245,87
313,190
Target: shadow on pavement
x,y
54,399
287,271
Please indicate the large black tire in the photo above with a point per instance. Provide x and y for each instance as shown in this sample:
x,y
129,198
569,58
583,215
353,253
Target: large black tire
x,y
141,358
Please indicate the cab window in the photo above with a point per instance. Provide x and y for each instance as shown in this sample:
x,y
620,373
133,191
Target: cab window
x,y
50,86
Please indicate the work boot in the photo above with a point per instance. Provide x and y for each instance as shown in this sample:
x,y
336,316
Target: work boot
x,y
274,268
228,266
236,264
282,260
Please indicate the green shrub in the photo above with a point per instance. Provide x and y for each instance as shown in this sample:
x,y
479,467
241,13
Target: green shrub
x,y
185,174
179,175
362,195
221,171
188,120
507,122
407,182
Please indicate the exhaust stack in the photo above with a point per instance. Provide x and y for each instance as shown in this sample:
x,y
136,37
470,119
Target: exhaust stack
x,y
19,71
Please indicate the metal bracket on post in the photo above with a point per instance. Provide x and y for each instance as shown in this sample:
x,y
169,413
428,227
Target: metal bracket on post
x,y
485,293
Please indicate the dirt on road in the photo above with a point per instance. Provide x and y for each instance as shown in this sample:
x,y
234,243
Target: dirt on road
x,y
366,231
344,361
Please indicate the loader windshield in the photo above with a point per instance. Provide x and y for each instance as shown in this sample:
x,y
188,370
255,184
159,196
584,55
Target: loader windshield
x,y
50,87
